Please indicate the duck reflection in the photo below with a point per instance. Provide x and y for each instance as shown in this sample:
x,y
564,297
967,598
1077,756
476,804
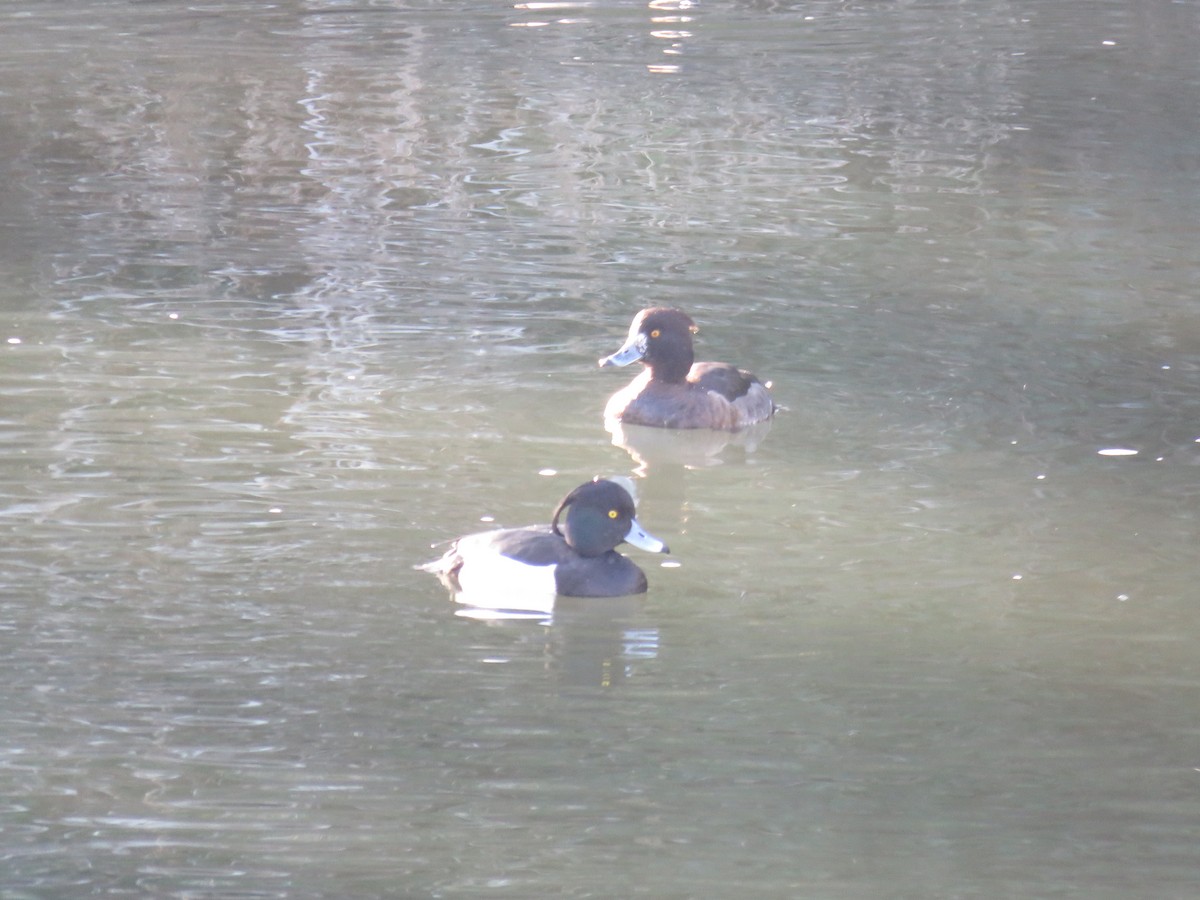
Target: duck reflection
x,y
599,645
667,448
583,642
666,459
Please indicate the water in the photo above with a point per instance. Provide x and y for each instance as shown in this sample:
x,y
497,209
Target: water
x,y
294,293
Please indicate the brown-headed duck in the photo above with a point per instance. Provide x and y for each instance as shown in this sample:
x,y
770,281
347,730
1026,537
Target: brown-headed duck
x,y
676,392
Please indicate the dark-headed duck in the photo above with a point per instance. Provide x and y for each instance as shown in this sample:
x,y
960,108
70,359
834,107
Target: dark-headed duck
x,y
676,392
575,558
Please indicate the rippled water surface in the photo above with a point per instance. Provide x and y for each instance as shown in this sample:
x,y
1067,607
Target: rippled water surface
x,y
294,292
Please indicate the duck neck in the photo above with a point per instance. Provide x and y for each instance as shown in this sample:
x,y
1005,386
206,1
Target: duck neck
x,y
674,370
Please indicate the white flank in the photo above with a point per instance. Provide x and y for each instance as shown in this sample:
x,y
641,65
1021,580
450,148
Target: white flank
x,y
492,581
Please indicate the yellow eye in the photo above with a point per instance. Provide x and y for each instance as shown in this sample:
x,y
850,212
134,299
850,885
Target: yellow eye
x,y
655,333
612,513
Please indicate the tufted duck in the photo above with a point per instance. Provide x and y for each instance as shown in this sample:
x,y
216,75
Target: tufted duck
x,y
574,560
674,391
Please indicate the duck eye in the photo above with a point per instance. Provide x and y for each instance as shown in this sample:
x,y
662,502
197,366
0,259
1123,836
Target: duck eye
x,y
612,513
655,333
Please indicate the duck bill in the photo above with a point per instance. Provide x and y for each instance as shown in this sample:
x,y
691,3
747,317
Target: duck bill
x,y
644,540
634,349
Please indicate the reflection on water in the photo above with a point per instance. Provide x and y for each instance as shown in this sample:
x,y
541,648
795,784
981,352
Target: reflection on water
x,y
586,642
292,290
667,26
692,448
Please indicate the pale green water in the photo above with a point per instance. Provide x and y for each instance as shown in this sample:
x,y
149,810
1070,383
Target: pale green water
x,y
293,293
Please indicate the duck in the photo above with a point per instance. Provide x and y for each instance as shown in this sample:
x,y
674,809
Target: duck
x,y
674,391
573,556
